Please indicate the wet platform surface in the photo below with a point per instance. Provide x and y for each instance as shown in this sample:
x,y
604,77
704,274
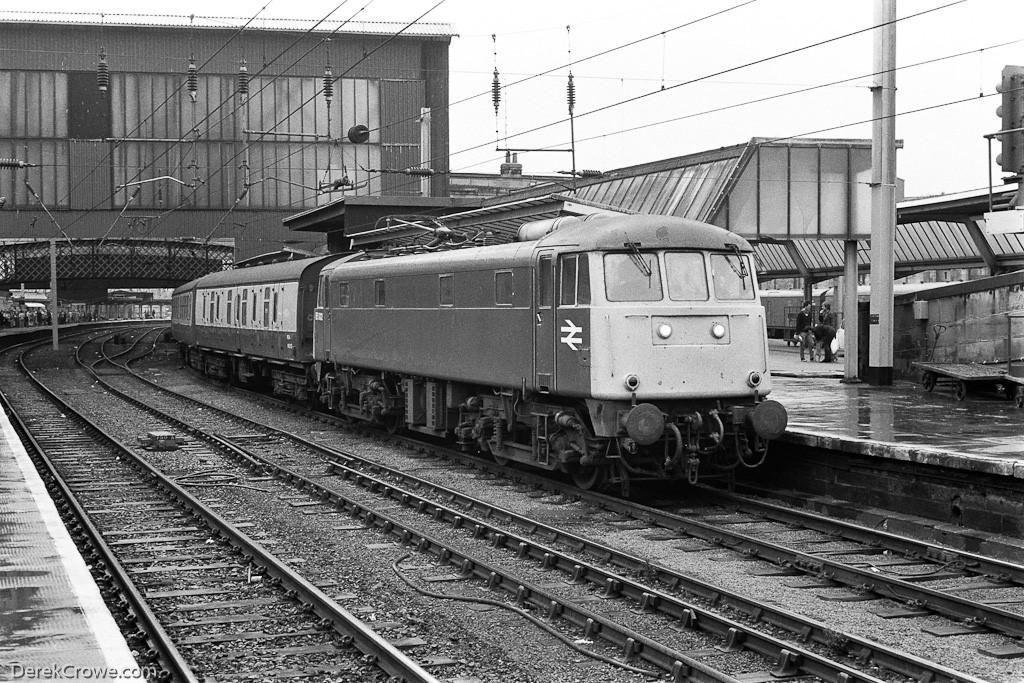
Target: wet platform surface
x,y
984,432
53,622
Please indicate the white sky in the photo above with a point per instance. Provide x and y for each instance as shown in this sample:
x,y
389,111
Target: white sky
x,y
943,150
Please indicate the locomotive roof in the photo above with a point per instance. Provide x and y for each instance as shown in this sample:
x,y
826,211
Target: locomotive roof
x,y
643,230
286,271
496,256
596,234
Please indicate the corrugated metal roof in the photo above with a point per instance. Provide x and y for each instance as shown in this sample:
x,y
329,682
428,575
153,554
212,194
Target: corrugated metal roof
x,y
917,246
688,191
439,30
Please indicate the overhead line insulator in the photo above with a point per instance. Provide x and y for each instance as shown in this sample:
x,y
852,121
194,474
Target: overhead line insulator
x,y
328,84
243,79
192,83
103,72
496,92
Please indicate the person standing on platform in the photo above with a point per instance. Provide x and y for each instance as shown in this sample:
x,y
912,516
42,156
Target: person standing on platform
x,y
804,329
826,330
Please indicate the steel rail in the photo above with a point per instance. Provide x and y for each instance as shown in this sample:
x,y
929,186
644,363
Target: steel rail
x,y
386,656
161,644
789,658
633,645
992,567
866,651
996,569
863,649
863,580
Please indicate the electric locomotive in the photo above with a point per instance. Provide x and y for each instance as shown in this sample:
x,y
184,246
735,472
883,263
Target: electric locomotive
x,y
614,349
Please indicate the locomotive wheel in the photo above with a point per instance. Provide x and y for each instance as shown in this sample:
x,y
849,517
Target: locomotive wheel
x,y
960,390
502,461
928,380
589,477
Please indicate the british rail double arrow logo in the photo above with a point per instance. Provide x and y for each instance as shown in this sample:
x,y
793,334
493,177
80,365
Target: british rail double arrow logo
x,y
571,338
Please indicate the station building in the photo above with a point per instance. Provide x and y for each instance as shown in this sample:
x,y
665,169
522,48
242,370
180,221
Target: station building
x,y
203,131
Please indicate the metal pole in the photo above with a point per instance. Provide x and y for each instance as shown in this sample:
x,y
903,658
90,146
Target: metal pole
x,y
53,294
883,196
851,314
425,149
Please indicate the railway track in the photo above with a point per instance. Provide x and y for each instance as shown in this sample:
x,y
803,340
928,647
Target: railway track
x,y
737,637
870,562
211,600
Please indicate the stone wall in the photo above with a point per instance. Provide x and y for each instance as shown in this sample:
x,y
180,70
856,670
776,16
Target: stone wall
x,y
963,323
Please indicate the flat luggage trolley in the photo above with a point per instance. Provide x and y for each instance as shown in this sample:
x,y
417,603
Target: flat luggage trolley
x,y
1008,377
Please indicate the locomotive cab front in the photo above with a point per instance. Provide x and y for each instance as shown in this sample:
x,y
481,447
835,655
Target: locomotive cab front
x,y
662,335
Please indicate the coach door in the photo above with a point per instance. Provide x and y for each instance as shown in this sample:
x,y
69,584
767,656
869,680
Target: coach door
x,y
544,320
321,320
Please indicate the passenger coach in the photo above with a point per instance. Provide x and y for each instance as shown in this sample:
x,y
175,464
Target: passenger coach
x,y
252,325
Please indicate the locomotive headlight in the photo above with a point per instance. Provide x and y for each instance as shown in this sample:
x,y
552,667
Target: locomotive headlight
x,y
664,330
754,379
718,330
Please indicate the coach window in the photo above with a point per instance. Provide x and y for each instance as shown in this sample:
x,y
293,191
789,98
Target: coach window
x,y
342,294
633,276
378,292
574,280
254,293
266,306
245,305
544,282
503,288
275,306
686,276
446,290
239,314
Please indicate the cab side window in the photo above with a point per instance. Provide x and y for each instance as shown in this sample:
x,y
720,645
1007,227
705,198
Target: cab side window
x,y
574,280
544,282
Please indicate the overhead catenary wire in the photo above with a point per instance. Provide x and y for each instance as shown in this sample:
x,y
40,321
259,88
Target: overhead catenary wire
x,y
590,57
263,87
143,121
622,46
365,56
790,93
718,109
208,116
776,140
763,98
706,77
727,70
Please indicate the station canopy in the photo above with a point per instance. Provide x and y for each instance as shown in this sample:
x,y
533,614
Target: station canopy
x,y
796,200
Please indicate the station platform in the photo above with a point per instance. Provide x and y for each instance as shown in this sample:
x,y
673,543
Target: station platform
x,y
53,621
903,421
